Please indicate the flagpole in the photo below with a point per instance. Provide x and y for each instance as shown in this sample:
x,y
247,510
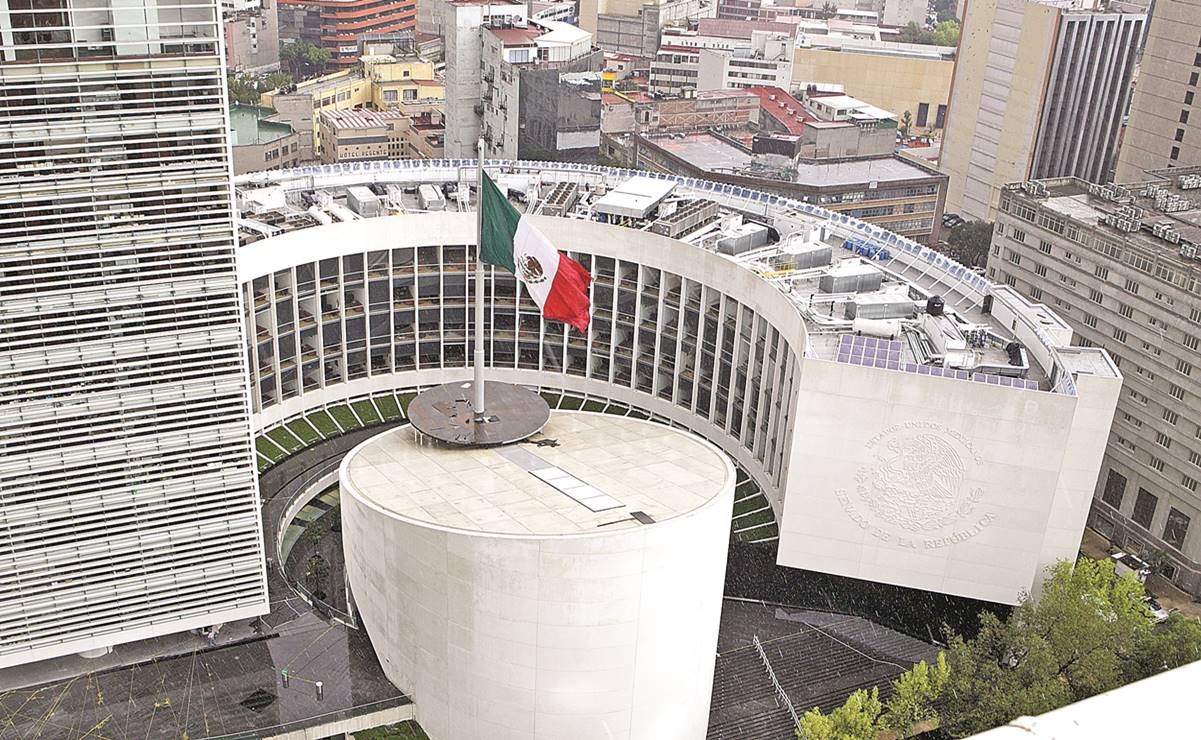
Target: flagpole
x,y
478,382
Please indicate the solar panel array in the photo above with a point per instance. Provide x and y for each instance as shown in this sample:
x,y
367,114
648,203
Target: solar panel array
x,y
886,354
870,351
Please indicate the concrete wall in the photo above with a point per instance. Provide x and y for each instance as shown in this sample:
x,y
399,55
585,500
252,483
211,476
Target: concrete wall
x,y
252,40
282,152
996,98
894,83
1036,448
949,486
605,635
559,121
1163,83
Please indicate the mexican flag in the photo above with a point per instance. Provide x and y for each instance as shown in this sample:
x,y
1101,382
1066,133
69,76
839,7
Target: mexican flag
x,y
510,240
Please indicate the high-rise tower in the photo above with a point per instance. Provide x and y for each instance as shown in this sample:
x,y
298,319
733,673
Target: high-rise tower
x,y
1160,133
128,501
1039,90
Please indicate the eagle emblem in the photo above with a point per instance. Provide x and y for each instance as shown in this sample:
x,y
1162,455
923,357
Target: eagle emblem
x,y
918,482
530,269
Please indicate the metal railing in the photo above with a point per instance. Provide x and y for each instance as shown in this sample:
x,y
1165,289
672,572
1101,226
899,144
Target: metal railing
x,y
904,250
796,721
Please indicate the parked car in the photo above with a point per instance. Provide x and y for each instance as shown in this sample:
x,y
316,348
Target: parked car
x,y
1157,611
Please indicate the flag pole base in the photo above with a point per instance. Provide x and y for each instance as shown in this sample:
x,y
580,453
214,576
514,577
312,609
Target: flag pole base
x,y
446,413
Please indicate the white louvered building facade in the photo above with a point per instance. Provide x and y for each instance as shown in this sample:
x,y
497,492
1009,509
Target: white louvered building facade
x,y
128,500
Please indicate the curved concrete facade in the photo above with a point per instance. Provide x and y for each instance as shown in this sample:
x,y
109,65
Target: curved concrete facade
x,y
726,348
501,607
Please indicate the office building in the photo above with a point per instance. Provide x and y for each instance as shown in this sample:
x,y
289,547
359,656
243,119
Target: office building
x,y
252,38
721,55
894,76
541,92
893,193
827,127
723,109
758,10
1040,90
1120,264
765,65
380,82
635,26
889,12
1164,127
127,479
721,309
259,142
358,135
337,25
463,23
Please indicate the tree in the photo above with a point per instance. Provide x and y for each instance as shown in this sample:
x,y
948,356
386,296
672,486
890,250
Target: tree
x,y
945,10
946,33
1088,632
1000,674
1156,559
291,56
247,89
913,34
1074,642
1170,645
915,693
303,60
274,81
315,574
829,10
857,719
315,59
906,122
969,242
242,90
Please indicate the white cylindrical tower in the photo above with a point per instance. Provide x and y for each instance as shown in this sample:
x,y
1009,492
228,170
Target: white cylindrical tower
x,y
526,591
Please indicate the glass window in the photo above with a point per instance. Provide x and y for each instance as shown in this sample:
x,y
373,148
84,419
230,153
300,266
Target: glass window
x,y
1176,528
1144,507
1115,489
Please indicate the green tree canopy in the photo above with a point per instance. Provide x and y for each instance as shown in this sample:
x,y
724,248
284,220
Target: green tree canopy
x,y
857,719
1170,645
1076,640
303,60
945,10
247,89
946,33
914,695
242,90
1088,632
969,242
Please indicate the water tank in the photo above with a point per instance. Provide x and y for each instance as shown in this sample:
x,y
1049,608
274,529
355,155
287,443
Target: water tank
x,y
885,328
935,305
1014,350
